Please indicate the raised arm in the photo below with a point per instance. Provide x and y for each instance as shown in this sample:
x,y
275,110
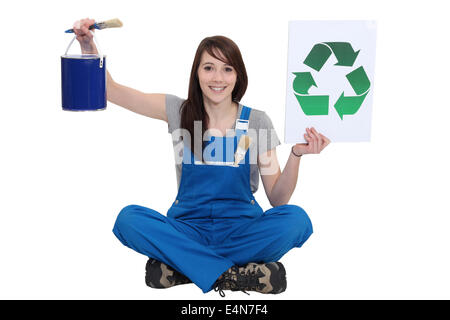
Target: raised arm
x,y
152,105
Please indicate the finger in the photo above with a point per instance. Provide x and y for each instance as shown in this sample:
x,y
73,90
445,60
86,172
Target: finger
x,y
308,137
316,140
77,28
310,134
323,144
316,145
86,32
315,133
312,143
76,25
309,146
327,141
84,29
321,141
88,22
82,23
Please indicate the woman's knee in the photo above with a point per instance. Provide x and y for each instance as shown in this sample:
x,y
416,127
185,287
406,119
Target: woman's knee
x,y
299,220
124,214
124,219
135,216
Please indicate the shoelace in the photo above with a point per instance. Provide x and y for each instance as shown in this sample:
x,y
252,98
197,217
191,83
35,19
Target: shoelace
x,y
250,280
244,281
219,287
226,278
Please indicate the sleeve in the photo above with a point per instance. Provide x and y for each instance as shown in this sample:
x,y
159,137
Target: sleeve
x,y
267,137
173,104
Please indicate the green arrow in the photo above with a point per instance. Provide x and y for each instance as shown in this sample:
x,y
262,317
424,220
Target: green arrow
x,y
360,83
311,105
320,53
317,57
343,51
303,81
358,80
349,105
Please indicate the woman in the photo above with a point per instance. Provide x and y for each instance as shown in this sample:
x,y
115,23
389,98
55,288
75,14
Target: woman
x,y
215,234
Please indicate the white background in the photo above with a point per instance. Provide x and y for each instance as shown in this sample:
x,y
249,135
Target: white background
x,y
380,210
330,80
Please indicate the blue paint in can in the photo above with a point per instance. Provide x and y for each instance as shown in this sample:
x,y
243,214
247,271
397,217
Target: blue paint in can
x,y
83,80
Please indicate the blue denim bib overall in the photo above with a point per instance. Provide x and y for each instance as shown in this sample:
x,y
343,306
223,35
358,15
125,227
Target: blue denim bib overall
x,y
215,222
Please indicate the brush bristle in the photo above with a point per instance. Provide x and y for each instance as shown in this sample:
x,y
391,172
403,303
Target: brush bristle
x,y
113,23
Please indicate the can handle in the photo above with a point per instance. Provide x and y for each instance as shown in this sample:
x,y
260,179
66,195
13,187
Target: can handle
x,y
96,42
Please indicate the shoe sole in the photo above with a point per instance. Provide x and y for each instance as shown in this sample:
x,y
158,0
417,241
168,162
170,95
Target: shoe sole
x,y
277,277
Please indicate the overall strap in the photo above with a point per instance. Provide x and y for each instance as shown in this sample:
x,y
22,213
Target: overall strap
x,y
242,122
241,130
245,112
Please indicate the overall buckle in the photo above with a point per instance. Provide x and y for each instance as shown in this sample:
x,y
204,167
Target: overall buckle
x,y
241,124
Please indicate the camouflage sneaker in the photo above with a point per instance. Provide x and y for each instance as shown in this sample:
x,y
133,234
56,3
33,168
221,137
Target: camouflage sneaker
x,y
160,275
263,278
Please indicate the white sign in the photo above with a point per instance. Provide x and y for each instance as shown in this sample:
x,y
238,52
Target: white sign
x,y
330,79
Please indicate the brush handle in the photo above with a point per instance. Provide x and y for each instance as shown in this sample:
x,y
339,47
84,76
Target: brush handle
x,y
94,26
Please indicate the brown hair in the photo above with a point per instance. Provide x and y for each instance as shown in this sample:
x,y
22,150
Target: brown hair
x,y
192,108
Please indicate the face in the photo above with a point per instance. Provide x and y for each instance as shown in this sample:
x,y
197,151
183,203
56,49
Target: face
x,y
217,79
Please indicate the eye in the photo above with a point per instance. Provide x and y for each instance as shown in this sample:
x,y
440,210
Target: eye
x,y
228,69
207,68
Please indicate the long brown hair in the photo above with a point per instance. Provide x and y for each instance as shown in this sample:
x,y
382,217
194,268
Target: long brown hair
x,y
192,108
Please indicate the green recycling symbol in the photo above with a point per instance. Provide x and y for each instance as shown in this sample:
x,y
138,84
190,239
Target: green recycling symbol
x,y
318,104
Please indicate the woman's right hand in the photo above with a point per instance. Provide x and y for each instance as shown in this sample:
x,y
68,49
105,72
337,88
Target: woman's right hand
x,y
84,36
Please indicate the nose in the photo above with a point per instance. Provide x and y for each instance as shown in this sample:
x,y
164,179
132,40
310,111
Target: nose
x,y
217,76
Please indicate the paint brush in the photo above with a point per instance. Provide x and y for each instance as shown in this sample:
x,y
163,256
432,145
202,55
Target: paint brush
x,y
113,23
244,144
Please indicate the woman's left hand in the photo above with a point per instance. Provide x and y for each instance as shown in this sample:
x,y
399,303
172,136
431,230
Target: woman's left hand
x,y
316,142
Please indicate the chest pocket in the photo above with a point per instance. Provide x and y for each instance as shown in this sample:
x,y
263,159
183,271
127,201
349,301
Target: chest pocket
x,y
220,150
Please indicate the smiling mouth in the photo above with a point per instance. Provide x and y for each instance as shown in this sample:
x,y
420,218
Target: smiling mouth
x,y
217,89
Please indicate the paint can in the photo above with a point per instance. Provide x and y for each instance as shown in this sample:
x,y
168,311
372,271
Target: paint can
x,y
83,80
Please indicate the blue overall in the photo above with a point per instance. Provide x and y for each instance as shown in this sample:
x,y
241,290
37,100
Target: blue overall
x,y
215,222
